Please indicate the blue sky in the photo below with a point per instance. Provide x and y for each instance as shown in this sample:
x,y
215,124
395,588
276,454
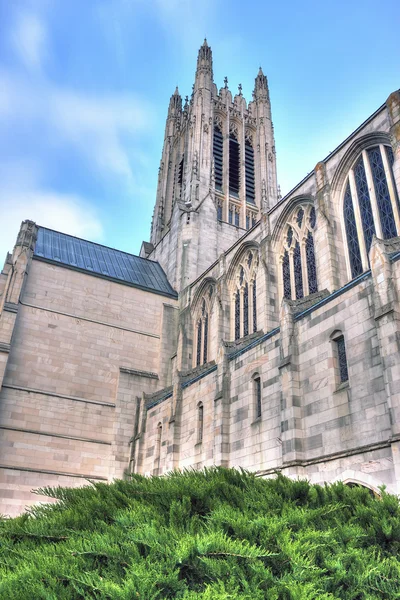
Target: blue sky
x,y
85,85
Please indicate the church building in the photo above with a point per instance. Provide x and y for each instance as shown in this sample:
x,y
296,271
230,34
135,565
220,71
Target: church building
x,y
253,331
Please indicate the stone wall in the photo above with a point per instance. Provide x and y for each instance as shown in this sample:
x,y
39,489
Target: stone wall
x,y
83,350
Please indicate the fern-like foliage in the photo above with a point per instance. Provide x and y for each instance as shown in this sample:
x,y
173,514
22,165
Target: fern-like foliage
x,y
218,534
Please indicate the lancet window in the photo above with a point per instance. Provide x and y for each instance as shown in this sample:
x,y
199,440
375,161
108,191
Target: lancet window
x,y
245,296
218,156
202,327
298,264
234,164
249,171
370,205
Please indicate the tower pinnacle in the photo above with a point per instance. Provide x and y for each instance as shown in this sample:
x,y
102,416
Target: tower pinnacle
x,y
261,91
204,60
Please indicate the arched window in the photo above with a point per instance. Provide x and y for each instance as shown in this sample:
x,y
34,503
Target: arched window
x,y
249,171
157,457
200,422
245,296
234,164
340,358
257,394
298,265
218,156
369,192
202,327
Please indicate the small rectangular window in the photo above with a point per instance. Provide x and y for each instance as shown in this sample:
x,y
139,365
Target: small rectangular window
x,y
230,216
342,359
257,390
237,219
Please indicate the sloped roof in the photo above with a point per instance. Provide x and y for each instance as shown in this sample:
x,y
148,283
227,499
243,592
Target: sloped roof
x,y
102,261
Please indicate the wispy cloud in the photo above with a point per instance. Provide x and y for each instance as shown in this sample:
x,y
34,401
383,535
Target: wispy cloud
x,y
29,40
24,196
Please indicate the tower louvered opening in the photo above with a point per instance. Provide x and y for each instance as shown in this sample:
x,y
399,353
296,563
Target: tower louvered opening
x,y
218,157
234,165
249,171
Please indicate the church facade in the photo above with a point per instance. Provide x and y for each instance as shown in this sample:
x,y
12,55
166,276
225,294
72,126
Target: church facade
x,y
253,331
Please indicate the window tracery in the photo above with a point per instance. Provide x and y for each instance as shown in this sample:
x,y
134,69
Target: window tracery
x,y
368,193
298,263
202,327
244,296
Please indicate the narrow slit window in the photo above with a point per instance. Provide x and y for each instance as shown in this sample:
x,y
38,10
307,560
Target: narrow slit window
x,y
342,359
257,393
200,423
246,310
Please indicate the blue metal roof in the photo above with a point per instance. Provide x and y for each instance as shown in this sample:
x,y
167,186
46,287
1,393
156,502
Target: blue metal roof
x,y
102,261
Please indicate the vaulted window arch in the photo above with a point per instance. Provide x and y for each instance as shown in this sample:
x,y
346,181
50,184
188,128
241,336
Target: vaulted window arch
x,y
202,327
244,296
298,264
370,205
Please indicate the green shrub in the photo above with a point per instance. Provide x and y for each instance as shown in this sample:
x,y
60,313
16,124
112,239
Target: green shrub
x,y
218,534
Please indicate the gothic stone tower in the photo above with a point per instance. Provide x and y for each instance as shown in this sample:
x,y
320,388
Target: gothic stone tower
x,y
217,173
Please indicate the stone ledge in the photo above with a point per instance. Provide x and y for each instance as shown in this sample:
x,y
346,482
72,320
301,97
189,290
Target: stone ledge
x,y
57,435
148,374
55,395
5,347
49,472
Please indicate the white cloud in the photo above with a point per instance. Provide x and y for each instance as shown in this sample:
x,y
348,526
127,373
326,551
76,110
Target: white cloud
x,y
100,127
29,40
63,212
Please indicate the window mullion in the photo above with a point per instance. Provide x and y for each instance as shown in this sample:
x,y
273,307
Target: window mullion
x,y
372,195
357,214
392,191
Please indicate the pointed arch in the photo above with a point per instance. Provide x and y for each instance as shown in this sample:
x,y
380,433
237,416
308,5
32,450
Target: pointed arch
x,y
242,285
296,250
201,308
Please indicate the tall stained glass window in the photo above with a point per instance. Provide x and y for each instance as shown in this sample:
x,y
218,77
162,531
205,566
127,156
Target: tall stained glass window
x,y
246,309
219,212
254,306
199,330
245,295
351,233
364,202
311,268
205,343
382,201
287,286
298,275
237,315
382,193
